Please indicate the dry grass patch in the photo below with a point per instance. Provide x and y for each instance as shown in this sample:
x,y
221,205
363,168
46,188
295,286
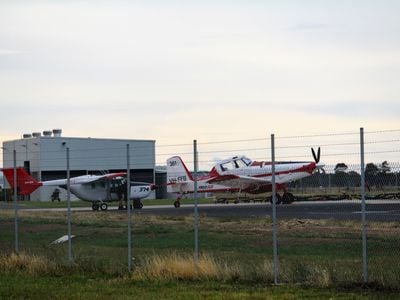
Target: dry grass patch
x,y
177,266
183,267
29,264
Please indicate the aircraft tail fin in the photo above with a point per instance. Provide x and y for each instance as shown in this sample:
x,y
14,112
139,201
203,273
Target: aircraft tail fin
x,y
25,183
177,171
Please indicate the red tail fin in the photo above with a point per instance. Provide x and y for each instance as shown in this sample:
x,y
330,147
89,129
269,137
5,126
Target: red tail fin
x,y
25,183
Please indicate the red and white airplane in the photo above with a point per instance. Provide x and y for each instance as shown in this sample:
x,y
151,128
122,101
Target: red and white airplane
x,y
239,174
97,189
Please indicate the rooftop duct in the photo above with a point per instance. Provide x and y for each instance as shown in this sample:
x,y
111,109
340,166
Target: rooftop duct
x,y
27,135
47,133
36,134
57,132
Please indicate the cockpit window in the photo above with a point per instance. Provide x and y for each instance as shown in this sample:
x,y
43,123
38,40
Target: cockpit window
x,y
246,160
239,163
227,166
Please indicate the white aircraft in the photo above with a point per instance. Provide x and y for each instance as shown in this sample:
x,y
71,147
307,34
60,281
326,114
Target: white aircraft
x,y
239,174
97,189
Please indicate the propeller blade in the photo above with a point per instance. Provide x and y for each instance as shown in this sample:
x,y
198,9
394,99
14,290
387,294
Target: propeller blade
x,y
315,156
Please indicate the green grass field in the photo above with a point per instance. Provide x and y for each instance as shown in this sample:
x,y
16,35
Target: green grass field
x,y
317,258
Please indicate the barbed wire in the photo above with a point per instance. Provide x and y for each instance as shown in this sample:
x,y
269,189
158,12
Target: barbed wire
x,y
116,152
149,156
123,149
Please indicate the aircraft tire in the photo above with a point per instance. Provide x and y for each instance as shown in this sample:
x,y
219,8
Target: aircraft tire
x,y
95,206
278,199
137,204
287,198
103,206
177,204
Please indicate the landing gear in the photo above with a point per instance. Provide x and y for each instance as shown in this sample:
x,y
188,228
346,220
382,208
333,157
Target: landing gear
x,y
102,206
137,204
278,199
287,198
177,203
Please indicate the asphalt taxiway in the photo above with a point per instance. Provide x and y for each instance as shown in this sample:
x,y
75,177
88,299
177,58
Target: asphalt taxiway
x,y
376,210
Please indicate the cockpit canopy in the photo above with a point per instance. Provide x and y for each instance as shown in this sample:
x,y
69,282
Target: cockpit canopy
x,y
235,162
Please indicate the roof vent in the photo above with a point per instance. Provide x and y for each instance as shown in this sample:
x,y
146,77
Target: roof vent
x,y
27,135
57,132
47,133
36,134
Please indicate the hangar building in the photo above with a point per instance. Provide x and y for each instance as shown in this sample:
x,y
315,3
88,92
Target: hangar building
x,y
44,157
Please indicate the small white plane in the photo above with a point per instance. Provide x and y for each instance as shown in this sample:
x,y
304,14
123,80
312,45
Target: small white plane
x,y
239,174
97,189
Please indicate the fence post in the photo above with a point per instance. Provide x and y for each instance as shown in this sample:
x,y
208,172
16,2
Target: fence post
x,y
69,210
128,207
274,234
4,189
15,203
363,208
196,211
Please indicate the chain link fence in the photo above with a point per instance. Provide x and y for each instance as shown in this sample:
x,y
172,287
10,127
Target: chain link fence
x,y
318,237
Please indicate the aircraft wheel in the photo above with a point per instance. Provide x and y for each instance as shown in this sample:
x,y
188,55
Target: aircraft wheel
x,y
95,206
177,204
137,204
287,198
103,206
278,199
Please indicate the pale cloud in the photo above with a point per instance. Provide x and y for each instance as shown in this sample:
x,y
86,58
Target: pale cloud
x,y
9,52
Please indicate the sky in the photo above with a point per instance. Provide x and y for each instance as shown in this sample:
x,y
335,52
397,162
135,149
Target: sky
x,y
174,71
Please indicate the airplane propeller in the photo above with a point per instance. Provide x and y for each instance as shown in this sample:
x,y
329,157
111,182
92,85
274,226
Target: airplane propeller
x,y
318,156
319,167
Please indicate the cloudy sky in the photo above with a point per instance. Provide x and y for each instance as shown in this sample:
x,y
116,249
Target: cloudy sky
x,y
175,71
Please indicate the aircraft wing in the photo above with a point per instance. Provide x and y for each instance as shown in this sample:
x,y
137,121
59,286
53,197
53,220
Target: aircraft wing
x,y
106,177
84,179
239,181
